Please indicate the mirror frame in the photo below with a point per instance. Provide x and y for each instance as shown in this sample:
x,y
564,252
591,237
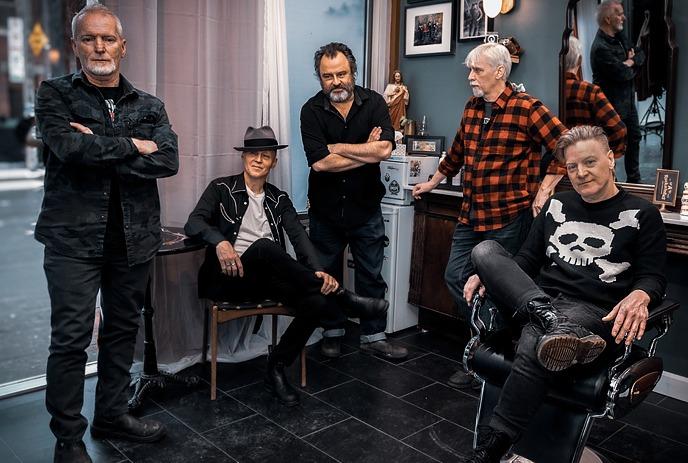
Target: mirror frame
x,y
644,190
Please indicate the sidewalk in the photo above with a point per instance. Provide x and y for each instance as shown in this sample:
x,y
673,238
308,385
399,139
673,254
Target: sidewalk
x,y
13,177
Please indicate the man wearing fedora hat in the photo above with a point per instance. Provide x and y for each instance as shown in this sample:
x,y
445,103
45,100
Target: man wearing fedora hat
x,y
243,219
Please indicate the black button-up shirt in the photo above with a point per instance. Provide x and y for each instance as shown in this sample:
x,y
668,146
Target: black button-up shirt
x,y
79,167
351,197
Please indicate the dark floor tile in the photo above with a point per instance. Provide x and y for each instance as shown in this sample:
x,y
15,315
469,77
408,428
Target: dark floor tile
x,y
659,421
180,445
235,375
655,398
356,442
201,414
448,403
319,376
378,409
642,446
390,378
433,366
433,342
309,416
313,352
602,429
255,439
444,441
674,405
24,427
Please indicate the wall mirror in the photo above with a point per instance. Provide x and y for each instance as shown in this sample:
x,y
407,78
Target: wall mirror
x,y
655,85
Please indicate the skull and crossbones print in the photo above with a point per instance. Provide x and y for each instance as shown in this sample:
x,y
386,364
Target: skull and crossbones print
x,y
585,243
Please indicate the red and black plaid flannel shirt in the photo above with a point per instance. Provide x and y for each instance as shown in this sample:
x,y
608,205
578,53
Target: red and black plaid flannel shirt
x,y
586,104
502,170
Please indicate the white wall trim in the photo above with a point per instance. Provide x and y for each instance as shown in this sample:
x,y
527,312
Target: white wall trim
x,y
673,385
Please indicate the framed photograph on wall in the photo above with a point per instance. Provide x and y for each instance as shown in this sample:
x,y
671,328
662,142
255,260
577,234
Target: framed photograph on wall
x,y
473,22
430,29
424,144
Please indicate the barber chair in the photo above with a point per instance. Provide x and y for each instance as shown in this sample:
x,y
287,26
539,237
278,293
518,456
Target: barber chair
x,y
603,389
221,312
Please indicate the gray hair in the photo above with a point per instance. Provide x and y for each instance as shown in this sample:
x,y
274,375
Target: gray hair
x,y
604,10
579,133
95,8
575,52
495,53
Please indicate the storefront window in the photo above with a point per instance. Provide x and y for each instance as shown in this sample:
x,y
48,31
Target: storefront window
x,y
34,46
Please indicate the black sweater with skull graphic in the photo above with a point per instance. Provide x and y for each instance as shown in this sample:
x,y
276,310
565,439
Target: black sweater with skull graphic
x,y
597,252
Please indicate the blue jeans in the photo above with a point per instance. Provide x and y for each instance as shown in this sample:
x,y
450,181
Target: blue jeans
x,y
367,244
459,266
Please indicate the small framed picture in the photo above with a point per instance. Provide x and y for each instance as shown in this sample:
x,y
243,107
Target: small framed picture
x,y
426,144
473,22
430,29
666,188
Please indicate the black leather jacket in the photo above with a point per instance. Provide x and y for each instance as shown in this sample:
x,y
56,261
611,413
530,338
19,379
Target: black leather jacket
x,y
79,167
217,217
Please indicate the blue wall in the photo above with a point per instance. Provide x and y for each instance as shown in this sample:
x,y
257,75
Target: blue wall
x,y
309,26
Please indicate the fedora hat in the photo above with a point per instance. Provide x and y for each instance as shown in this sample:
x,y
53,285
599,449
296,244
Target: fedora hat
x,y
262,138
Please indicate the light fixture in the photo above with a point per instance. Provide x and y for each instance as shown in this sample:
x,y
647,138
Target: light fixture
x,y
492,7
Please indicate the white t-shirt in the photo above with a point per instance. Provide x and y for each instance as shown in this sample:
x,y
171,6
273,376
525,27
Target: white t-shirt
x,y
254,225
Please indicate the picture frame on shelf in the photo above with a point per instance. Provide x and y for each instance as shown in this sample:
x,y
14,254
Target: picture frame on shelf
x,y
427,145
666,188
430,29
473,22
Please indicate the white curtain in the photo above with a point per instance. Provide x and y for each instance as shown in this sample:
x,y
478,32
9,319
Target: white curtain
x,y
275,96
380,40
204,59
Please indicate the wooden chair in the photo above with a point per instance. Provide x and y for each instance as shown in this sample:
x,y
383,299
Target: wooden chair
x,y
221,312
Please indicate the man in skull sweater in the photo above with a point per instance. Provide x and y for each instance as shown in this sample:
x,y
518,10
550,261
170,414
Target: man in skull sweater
x,y
599,254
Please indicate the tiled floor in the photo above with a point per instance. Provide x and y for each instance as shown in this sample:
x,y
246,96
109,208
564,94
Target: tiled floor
x,y
355,409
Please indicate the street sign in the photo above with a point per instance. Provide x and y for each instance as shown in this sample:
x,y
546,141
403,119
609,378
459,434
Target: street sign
x,y
37,40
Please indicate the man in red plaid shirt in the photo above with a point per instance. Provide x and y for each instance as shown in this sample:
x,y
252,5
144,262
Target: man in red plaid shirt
x,y
499,143
586,104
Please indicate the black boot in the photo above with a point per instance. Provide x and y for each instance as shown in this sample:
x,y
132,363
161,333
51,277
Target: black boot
x,y
360,306
492,446
276,382
71,452
564,343
127,427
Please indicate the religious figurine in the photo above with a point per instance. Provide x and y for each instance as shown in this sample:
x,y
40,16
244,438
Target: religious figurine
x,y
684,200
397,98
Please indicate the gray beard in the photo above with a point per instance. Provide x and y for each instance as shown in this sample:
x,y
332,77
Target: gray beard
x,y
478,93
341,95
101,69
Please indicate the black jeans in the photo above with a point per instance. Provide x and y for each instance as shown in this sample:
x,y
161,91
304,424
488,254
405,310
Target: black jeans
x,y
511,289
269,272
632,155
367,244
73,285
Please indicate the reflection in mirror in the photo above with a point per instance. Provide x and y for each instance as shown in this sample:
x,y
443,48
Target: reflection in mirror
x,y
631,54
